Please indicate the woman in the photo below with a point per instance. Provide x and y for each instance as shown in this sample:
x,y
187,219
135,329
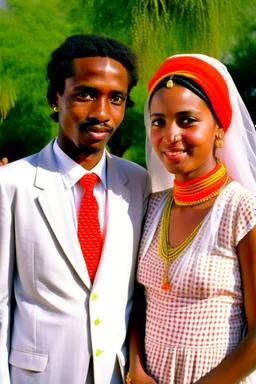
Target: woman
x,y
197,261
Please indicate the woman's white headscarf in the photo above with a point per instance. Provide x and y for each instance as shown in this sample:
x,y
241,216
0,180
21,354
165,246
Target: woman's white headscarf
x,y
239,149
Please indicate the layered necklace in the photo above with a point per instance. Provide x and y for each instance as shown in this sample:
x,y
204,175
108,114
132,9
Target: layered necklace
x,y
201,189
189,193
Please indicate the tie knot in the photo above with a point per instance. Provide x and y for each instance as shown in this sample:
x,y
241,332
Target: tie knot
x,y
88,181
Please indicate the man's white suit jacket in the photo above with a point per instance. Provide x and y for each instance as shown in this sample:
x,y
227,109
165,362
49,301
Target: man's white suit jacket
x,y
52,320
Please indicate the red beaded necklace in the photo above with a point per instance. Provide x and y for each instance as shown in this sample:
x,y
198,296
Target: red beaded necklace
x,y
201,189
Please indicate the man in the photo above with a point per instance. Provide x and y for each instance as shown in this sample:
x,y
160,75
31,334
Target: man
x,y
67,325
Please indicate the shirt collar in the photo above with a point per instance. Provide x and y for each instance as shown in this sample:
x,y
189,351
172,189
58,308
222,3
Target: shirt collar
x,y
71,171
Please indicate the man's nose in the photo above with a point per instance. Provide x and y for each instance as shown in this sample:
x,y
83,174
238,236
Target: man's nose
x,y
100,110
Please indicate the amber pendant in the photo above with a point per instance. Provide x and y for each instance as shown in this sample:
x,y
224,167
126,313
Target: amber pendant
x,y
165,286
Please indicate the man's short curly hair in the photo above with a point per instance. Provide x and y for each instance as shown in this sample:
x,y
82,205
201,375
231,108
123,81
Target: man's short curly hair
x,y
60,66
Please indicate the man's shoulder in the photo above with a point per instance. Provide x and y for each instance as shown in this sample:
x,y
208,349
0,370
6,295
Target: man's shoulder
x,y
21,165
128,165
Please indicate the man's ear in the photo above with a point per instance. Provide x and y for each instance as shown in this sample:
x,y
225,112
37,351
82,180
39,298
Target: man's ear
x,y
53,102
52,99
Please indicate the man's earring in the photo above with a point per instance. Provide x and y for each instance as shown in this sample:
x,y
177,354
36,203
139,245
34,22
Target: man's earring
x,y
218,142
56,109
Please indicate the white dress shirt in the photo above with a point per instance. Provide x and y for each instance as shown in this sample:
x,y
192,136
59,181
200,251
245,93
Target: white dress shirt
x,y
71,173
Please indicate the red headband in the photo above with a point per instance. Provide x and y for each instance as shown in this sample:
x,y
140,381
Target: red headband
x,y
204,75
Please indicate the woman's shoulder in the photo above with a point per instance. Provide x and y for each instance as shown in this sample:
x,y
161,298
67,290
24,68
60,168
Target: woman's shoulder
x,y
156,203
159,196
241,206
237,192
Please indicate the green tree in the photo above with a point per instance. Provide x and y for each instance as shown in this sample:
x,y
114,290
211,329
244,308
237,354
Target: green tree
x,y
29,32
155,29
241,64
165,27
7,97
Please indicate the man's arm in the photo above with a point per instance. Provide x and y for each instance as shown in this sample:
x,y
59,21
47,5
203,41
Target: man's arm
x,y
147,193
6,282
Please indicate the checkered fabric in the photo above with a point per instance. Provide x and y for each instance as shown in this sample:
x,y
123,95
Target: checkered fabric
x,y
192,327
89,233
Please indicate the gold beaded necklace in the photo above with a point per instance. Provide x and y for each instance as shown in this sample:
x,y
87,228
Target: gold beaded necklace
x,y
188,193
201,189
167,253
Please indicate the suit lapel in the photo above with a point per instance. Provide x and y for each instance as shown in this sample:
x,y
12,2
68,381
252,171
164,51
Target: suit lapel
x,y
119,226
58,212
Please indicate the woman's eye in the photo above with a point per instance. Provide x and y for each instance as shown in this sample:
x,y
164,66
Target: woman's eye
x,y
188,120
157,122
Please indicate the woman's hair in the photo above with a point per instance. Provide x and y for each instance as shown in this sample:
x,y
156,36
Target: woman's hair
x,y
187,83
60,66
205,76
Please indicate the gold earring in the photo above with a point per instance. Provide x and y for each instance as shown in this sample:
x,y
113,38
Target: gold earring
x,y
56,109
218,143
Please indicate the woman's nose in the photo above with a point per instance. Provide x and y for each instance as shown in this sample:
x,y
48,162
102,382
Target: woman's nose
x,y
172,133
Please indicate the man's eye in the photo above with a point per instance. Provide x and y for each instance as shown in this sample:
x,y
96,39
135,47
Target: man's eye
x,y
84,95
118,100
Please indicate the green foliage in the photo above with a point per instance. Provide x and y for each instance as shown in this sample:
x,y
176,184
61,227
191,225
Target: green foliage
x,y
32,29
7,97
128,141
106,18
242,66
29,32
77,13
165,27
129,135
156,29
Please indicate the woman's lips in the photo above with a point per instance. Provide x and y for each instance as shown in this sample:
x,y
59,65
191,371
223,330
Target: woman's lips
x,y
175,155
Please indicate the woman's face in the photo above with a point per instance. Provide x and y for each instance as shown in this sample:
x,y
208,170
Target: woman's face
x,y
183,131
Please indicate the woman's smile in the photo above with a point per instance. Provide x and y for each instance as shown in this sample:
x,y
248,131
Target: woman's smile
x,y
183,131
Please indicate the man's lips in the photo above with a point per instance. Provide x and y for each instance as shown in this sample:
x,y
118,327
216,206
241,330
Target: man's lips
x,y
96,132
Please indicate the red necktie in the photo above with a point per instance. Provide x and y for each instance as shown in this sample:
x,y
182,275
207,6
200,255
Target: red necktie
x,y
89,234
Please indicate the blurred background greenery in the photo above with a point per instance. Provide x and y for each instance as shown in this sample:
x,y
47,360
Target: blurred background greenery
x,y
155,29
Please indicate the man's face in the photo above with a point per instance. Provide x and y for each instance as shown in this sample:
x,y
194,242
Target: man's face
x,y
91,107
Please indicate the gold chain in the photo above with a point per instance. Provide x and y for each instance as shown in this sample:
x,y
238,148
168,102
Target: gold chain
x,y
167,253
